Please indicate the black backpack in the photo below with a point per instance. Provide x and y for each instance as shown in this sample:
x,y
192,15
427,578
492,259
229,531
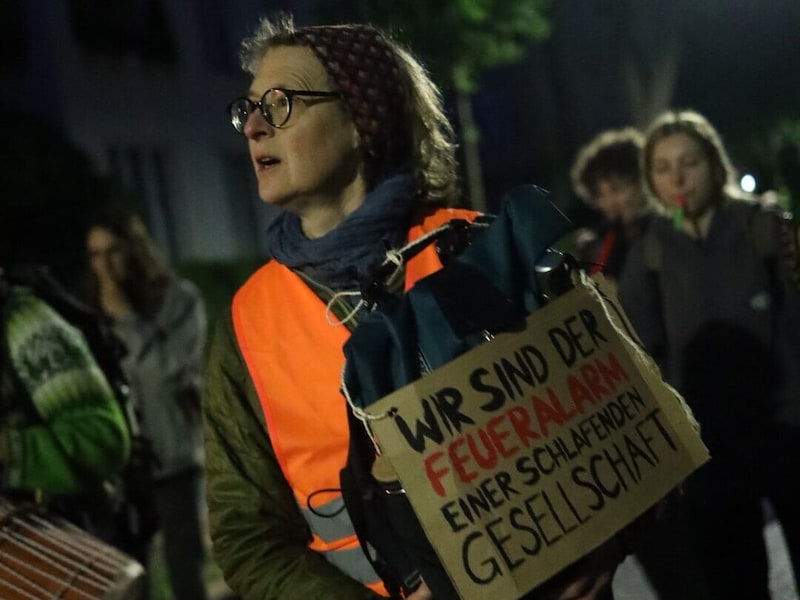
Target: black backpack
x,y
491,285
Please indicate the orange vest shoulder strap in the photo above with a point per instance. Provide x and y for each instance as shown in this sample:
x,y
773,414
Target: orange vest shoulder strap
x,y
427,261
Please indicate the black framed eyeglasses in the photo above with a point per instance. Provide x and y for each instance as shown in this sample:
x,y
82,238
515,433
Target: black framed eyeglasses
x,y
275,106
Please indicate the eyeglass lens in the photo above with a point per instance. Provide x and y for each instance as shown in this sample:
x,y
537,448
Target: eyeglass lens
x,y
275,106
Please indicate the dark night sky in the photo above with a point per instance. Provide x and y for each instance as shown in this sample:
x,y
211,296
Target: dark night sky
x,y
739,64
743,64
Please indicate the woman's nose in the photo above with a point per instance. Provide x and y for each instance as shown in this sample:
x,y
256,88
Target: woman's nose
x,y
256,125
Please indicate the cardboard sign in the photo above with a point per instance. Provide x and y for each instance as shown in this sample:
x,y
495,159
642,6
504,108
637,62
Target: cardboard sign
x,y
531,450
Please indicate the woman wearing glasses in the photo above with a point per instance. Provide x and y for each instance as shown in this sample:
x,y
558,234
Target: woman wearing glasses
x,y
347,135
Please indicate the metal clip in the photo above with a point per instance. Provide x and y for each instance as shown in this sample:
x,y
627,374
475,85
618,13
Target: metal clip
x,y
554,273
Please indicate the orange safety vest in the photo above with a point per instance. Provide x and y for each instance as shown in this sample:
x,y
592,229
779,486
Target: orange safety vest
x,y
295,359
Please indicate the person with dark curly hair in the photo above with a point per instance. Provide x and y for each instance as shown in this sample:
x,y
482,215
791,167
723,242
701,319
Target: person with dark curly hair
x,y
606,176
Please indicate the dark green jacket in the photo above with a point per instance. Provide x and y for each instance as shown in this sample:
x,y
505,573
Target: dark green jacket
x,y
260,539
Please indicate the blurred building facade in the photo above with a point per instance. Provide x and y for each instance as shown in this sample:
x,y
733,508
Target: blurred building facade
x,y
141,86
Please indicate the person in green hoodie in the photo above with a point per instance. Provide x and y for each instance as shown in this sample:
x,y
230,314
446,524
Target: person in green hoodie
x,y
62,432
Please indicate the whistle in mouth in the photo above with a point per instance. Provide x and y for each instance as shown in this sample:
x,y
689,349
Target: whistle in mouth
x,y
677,216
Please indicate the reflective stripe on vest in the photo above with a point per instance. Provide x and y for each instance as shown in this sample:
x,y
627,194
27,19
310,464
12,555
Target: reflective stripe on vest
x,y
295,359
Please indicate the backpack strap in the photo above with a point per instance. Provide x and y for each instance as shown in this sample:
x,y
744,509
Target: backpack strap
x,y
370,506
760,223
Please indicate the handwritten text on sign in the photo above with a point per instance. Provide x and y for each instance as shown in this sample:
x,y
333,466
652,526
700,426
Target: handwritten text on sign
x,y
529,451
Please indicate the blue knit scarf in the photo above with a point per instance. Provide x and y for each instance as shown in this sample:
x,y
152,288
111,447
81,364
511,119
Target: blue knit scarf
x,y
346,253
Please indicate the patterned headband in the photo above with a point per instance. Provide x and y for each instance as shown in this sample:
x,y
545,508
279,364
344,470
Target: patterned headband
x,y
365,68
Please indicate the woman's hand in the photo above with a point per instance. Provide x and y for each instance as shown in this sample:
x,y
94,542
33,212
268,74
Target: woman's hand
x,y
584,580
587,587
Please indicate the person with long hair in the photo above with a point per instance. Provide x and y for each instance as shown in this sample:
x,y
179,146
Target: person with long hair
x,y
161,319
710,293
348,136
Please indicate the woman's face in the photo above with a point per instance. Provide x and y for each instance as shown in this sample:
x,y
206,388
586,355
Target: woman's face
x,y
618,198
108,256
680,168
314,159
